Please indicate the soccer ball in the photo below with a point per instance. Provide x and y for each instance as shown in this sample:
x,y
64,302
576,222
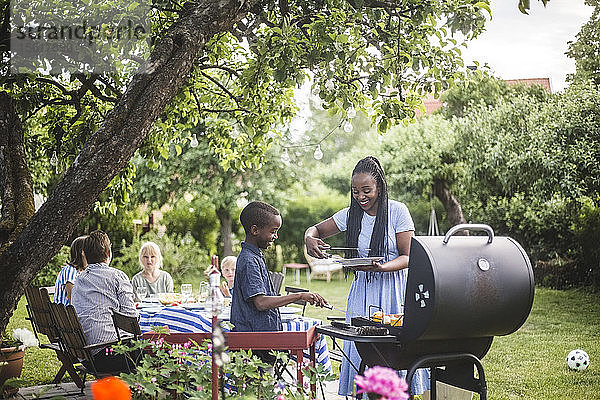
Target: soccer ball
x,y
578,360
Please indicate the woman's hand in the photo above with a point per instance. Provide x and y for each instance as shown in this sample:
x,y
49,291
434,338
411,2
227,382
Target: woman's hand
x,y
375,266
315,247
313,238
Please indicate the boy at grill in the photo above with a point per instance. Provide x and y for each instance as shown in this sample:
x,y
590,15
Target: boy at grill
x,y
254,304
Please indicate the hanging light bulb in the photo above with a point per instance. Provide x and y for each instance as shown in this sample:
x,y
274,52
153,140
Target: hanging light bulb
x,y
285,157
318,154
329,85
54,160
351,112
348,127
194,141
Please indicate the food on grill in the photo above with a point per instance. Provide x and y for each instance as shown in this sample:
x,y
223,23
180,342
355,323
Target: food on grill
x,y
372,331
387,319
377,316
396,319
169,298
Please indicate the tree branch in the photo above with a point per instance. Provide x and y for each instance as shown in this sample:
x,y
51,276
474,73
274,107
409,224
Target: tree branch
x,y
222,67
223,88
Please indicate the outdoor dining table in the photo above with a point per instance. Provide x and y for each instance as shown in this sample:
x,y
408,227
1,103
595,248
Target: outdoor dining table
x,y
196,320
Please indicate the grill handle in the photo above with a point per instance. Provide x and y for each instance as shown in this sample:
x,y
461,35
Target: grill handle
x,y
472,227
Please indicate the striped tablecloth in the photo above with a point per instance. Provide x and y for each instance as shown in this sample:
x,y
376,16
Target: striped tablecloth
x,y
182,320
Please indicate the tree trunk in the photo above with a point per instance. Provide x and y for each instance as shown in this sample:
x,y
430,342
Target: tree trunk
x,y
15,180
111,147
226,221
451,204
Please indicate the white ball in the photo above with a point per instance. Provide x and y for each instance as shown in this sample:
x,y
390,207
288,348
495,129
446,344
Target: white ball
x,y
578,360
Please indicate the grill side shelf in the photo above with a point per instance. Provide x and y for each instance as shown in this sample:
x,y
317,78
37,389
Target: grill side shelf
x,y
350,334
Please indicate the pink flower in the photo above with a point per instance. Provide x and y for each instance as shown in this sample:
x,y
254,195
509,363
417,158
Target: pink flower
x,y
281,397
383,381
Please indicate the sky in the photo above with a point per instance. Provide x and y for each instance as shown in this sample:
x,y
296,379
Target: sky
x,y
530,46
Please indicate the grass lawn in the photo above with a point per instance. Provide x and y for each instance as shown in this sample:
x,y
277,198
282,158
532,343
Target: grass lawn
x,y
528,364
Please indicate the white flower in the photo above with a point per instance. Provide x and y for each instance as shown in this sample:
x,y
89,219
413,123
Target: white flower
x,y
26,337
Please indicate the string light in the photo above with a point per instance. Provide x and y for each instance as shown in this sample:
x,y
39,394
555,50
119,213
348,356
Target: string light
x,y
318,154
351,113
194,141
54,159
285,157
348,127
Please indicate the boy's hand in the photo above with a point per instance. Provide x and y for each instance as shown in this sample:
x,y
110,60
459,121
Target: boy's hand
x,y
314,298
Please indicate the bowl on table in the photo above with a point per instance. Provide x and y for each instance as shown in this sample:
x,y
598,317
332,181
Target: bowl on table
x,y
169,298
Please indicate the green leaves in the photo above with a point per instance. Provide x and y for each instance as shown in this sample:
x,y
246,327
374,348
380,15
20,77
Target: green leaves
x,y
524,5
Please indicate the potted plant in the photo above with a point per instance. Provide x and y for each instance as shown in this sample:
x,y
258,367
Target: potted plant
x,y
12,351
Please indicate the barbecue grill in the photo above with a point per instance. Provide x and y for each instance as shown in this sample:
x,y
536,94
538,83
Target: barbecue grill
x,y
461,292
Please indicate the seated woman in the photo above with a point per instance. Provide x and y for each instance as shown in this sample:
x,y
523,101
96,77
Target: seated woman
x,y
151,276
68,274
228,272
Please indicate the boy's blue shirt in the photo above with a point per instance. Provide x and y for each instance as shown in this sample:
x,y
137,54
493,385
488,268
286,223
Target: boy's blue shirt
x,y
252,279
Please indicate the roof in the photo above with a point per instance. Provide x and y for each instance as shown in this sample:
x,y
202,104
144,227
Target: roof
x,y
432,104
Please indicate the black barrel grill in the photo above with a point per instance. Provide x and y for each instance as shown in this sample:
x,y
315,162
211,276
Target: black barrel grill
x,y
461,292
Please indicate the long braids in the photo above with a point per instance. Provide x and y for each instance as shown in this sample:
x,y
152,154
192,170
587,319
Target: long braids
x,y
379,242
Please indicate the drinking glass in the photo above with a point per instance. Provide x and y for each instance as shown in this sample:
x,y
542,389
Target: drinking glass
x,y
142,291
203,293
186,292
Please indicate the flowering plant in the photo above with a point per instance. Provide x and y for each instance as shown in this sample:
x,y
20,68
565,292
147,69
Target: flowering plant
x,y
21,338
382,383
184,372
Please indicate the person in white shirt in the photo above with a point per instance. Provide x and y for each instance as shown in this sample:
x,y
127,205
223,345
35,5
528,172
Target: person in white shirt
x,y
100,288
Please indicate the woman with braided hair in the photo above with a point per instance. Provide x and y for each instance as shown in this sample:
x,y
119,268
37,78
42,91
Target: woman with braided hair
x,y
376,226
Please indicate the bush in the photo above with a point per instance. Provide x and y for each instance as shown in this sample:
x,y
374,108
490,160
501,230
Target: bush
x,y
304,211
195,218
47,276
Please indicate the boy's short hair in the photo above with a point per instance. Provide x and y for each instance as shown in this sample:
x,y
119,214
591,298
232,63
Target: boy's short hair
x,y
96,247
257,213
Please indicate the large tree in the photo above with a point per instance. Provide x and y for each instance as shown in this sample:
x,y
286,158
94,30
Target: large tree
x,y
364,54
586,49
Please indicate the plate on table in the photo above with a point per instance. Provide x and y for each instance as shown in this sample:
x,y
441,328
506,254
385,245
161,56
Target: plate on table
x,y
289,310
359,262
145,304
193,306
151,310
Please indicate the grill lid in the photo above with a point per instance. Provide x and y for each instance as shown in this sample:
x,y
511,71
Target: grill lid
x,y
466,286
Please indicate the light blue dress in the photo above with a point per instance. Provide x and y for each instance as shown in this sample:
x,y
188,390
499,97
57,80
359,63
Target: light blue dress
x,y
385,289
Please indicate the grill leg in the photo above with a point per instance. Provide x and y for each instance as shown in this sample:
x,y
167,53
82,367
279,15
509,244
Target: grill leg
x,y
443,359
432,384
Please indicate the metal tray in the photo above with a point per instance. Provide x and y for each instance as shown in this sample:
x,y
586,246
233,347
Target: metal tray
x,y
359,262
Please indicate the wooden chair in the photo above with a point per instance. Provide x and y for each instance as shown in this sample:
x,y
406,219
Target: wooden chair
x,y
38,308
127,323
74,342
323,267
277,280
